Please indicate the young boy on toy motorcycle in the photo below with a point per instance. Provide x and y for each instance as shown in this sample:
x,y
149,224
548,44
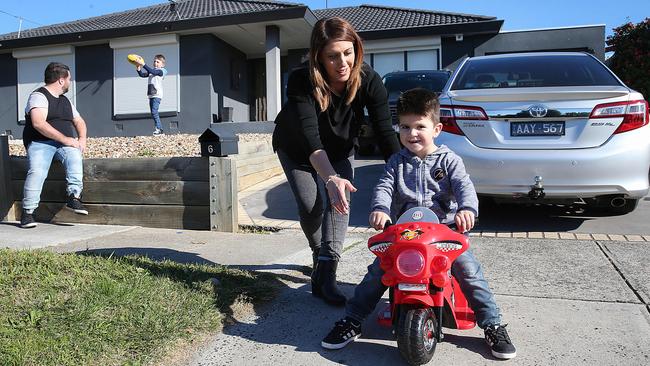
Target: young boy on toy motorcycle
x,y
423,174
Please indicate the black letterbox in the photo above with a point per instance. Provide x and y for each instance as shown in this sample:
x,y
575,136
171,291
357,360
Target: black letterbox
x,y
219,143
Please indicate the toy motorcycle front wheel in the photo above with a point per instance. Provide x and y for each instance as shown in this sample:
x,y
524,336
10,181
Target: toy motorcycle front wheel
x,y
416,334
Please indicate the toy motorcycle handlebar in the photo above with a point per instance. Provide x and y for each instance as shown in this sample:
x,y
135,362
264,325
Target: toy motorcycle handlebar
x,y
452,226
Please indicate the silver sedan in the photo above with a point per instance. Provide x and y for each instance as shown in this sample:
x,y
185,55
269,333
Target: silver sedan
x,y
548,127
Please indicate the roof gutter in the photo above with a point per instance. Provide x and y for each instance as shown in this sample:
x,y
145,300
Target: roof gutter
x,y
473,28
163,27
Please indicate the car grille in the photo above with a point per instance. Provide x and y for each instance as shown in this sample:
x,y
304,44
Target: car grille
x,y
393,113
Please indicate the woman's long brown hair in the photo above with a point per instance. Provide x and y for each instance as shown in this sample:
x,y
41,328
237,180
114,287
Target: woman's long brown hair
x,y
332,30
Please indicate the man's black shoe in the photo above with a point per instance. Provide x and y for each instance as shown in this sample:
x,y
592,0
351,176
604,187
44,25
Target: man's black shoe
x,y
74,204
344,331
27,220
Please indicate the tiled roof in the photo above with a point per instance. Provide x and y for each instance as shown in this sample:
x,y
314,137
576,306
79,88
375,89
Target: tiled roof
x,y
373,17
161,13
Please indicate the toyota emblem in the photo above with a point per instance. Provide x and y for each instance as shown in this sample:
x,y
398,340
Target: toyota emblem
x,y
538,110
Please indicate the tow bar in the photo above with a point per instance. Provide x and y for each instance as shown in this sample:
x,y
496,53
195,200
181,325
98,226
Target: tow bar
x,y
537,190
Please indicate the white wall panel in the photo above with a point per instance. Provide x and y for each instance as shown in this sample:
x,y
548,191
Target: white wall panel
x,y
130,90
422,60
31,72
386,62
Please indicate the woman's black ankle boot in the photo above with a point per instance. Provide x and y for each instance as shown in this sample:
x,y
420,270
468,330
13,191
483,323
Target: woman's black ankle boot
x,y
326,279
315,286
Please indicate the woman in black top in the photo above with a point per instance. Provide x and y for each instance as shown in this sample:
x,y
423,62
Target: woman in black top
x,y
314,138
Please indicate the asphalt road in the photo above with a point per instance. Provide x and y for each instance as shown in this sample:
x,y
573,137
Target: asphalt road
x,y
278,203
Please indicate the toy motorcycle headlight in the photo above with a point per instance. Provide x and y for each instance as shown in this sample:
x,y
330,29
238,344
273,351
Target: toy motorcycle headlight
x,y
410,262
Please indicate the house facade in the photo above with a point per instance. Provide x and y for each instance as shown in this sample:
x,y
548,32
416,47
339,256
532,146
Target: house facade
x,y
229,60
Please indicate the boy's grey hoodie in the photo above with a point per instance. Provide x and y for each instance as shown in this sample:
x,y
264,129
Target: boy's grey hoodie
x,y
438,182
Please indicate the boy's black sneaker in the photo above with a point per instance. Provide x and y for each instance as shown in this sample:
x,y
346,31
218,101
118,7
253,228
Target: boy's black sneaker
x,y
27,220
344,331
74,204
158,132
497,338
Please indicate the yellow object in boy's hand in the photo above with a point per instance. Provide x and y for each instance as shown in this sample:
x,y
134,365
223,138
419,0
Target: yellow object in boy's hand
x,y
136,60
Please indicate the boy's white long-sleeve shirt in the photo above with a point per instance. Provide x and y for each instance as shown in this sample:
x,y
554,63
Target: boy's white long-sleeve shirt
x,y
155,82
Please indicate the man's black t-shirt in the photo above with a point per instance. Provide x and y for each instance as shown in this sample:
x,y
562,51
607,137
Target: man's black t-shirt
x,y
59,115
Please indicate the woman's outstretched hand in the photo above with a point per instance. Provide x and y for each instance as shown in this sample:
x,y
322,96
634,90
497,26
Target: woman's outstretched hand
x,y
336,187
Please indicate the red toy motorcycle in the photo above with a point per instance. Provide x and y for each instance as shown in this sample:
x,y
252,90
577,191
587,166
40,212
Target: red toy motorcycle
x,y
416,255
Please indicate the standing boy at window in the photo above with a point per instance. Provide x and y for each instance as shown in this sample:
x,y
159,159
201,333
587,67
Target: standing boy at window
x,y
154,87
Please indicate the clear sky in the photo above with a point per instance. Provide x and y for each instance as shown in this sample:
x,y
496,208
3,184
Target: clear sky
x,y
518,14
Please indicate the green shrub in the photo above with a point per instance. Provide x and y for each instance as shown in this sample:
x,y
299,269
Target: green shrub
x,y
631,59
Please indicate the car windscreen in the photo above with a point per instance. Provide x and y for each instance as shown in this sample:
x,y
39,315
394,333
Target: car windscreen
x,y
532,71
402,82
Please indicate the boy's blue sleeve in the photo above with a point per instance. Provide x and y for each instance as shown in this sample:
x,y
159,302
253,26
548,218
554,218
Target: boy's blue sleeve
x,y
382,196
142,72
157,72
462,187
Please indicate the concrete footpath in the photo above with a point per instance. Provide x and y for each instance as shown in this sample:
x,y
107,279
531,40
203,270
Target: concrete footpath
x,y
567,302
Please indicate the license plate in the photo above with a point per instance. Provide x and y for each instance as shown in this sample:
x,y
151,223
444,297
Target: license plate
x,y
536,129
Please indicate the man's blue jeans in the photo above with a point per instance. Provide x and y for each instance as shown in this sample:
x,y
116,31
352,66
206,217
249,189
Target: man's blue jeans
x,y
40,155
465,268
154,104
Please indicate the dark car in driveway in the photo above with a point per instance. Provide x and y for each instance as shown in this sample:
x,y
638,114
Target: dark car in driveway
x,y
396,83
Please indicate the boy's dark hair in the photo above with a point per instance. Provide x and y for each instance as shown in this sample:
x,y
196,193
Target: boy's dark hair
x,y
421,102
160,57
54,71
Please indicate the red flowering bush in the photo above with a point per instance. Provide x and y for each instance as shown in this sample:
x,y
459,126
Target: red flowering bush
x,y
631,59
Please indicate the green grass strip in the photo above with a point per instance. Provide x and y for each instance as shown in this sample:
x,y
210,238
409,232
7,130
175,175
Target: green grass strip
x,y
71,309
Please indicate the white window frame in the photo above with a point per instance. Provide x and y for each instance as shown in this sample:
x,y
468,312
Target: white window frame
x,y
129,89
410,56
404,45
397,54
31,64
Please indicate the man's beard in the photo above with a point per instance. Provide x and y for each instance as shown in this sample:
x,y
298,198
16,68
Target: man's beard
x,y
65,89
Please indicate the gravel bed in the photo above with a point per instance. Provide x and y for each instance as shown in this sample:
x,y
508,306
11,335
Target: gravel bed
x,y
142,146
